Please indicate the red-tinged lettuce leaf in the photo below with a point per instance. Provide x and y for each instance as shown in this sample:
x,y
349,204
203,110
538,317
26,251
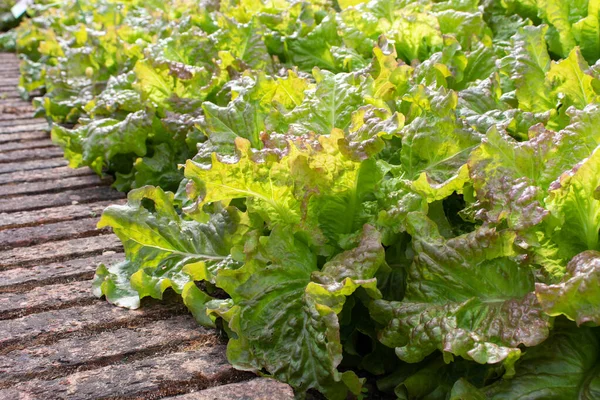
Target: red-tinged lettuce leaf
x,y
524,184
181,71
465,297
118,98
308,185
256,106
565,366
505,179
510,177
163,249
542,85
358,265
285,315
369,127
577,296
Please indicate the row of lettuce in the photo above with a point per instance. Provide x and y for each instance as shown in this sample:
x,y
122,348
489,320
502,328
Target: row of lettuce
x,y
368,197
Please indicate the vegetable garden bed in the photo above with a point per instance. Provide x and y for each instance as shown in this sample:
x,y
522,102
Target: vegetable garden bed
x,y
395,199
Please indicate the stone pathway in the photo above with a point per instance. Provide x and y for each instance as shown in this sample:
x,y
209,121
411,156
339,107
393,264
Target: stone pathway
x,y
57,341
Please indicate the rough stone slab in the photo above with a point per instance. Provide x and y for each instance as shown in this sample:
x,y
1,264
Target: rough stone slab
x,y
25,278
25,144
58,324
49,186
9,81
24,128
60,250
255,389
32,164
148,378
44,174
106,348
13,91
44,298
55,214
12,102
9,93
30,154
9,70
24,136
68,197
23,122
32,235
9,112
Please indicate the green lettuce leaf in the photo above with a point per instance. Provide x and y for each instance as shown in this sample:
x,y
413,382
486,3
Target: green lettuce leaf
x,y
329,105
437,144
565,366
97,142
311,47
164,250
531,62
286,324
575,207
418,33
244,42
